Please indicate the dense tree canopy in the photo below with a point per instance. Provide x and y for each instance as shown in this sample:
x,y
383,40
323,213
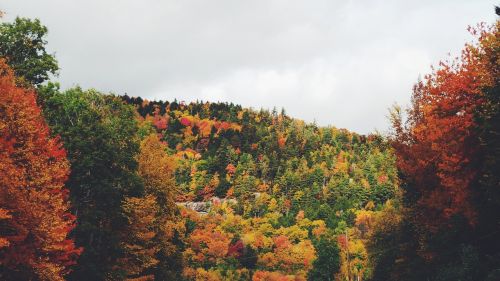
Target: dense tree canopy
x,y
282,183
99,134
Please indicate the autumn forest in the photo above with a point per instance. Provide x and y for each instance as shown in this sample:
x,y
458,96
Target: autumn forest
x,y
100,186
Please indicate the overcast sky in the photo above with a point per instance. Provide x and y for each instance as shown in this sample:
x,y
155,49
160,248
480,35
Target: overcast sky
x,y
340,63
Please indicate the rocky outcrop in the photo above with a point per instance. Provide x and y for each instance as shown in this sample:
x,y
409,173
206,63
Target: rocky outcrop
x,y
204,207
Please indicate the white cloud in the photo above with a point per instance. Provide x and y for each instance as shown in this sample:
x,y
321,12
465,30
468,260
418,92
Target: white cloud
x,y
337,62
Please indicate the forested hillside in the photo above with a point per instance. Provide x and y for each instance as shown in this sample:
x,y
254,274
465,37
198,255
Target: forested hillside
x,y
296,187
98,186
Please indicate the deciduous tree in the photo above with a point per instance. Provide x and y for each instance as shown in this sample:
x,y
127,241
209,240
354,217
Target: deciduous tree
x,y
23,44
34,214
99,134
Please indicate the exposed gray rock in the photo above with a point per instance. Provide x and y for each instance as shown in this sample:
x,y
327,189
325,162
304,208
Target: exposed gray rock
x,y
204,207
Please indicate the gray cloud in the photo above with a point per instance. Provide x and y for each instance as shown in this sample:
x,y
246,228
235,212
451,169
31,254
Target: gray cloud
x,y
337,62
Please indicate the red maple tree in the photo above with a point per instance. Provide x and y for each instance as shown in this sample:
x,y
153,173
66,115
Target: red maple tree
x,y
35,220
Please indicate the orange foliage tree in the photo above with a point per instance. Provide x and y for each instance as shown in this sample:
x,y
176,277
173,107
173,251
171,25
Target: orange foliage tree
x,y
35,220
438,145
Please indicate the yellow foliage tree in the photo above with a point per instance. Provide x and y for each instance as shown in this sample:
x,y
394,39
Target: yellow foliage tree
x,y
157,219
156,168
139,246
